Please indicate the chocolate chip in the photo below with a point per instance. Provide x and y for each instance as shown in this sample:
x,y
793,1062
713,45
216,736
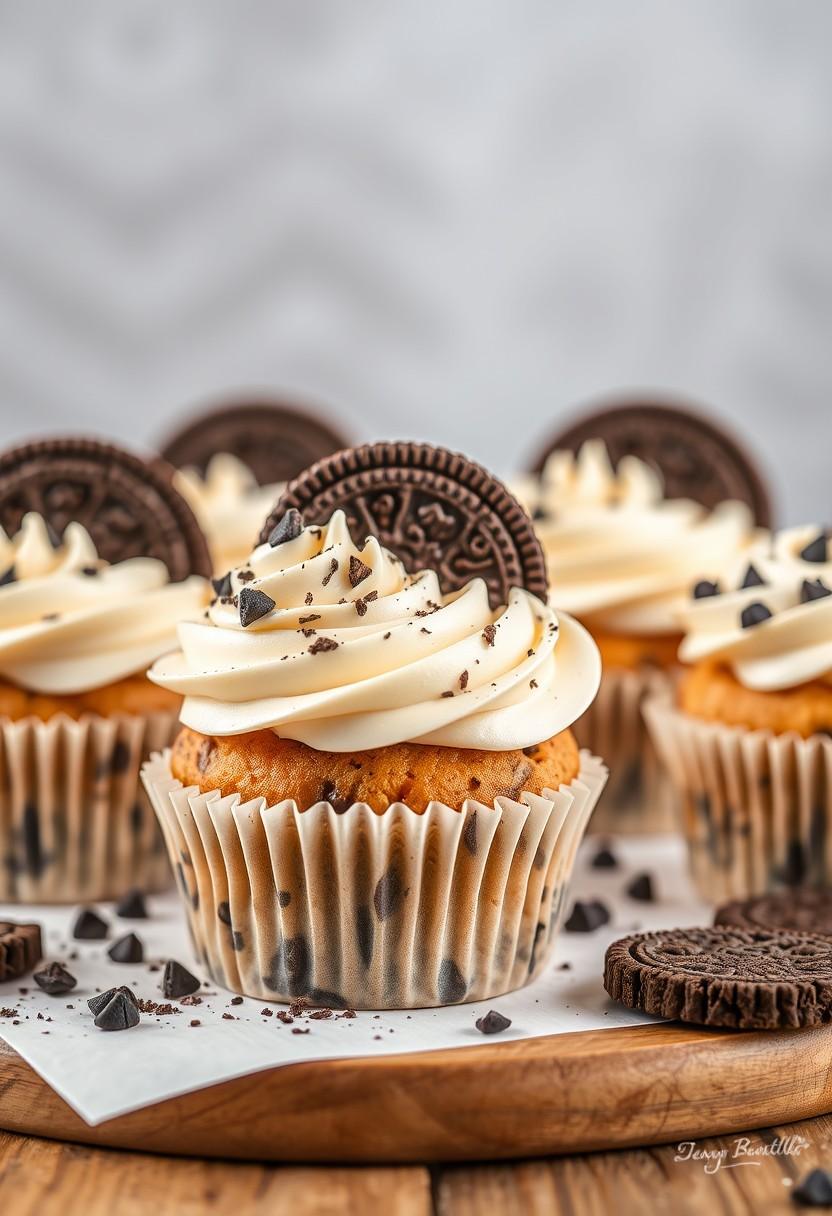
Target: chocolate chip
x,y
194,1022
89,571
288,527
132,906
492,1023
8,577
604,859
127,949
321,645
754,614
358,571
641,888
815,551
704,589
489,634
308,598
98,1002
254,604
333,566
118,1014
177,981
89,927
815,1190
236,1000
752,578
463,680
813,589
587,916
307,620
55,979
222,586
224,912
246,576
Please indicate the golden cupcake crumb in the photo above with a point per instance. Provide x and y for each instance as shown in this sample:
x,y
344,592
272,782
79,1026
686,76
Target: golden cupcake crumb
x,y
711,691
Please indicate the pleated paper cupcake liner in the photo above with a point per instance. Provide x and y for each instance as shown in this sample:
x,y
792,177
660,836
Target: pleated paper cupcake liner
x,y
75,822
367,910
638,796
757,807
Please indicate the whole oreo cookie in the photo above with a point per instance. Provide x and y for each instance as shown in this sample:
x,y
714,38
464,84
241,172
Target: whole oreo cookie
x,y
802,911
129,506
276,441
697,458
433,508
750,979
20,949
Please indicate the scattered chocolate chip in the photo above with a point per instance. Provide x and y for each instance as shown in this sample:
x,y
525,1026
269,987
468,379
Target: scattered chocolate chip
x,y
132,906
254,604
333,566
752,578
190,1000
222,586
564,967
704,589
815,1190
55,979
246,576
813,589
587,916
177,981
266,1013
754,614
641,888
815,551
89,927
127,949
236,1000
463,680
604,859
283,1016
308,598
297,1030
321,645
97,1003
492,1023
448,693
194,1022
288,527
118,1014
89,571
228,1017
358,571
307,620
489,634
8,576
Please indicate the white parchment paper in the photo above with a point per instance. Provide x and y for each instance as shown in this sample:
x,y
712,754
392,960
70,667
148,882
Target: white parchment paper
x,y
103,1075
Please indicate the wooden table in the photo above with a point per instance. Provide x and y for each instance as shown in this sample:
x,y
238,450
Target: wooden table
x,y
43,1177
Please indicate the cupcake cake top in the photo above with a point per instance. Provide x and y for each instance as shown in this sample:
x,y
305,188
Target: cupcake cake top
x,y
335,645
70,622
229,504
621,557
771,620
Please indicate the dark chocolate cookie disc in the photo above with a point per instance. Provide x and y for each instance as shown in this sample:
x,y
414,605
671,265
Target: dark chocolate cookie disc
x,y
696,456
276,441
803,911
129,506
749,979
435,509
20,949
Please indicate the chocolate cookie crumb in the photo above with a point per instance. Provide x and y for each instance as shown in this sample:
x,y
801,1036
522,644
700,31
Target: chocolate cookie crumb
x,y
492,1023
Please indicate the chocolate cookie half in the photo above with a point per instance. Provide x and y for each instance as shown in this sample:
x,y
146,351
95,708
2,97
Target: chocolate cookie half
x,y
696,456
431,507
275,440
128,506
20,949
803,911
746,979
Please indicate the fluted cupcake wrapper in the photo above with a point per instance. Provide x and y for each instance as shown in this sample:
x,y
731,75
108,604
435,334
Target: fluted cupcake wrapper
x,y
75,823
757,807
373,911
638,796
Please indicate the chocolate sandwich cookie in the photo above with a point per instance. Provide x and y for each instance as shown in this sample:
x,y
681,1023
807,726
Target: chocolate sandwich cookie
x,y
276,441
696,456
802,911
128,506
20,949
436,510
747,979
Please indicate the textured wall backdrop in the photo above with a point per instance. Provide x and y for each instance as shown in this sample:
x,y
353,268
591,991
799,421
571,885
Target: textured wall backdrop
x,y
449,221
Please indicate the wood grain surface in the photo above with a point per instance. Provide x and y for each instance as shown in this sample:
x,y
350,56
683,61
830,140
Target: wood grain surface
x,y
563,1094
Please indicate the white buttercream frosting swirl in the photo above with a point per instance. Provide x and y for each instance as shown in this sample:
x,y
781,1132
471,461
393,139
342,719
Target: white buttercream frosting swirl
x,y
791,647
355,653
70,622
621,557
229,505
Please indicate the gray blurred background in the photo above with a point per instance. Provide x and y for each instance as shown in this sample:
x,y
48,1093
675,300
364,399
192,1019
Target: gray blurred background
x,y
452,221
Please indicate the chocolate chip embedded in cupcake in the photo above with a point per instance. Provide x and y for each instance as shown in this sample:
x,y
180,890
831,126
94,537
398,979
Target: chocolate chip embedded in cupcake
x,y
379,758
77,714
747,739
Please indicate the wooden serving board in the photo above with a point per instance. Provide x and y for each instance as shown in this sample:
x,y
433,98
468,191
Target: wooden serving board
x,y
561,1094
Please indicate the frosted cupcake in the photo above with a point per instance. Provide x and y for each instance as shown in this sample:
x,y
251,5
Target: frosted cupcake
x,y
376,798
229,505
746,737
623,559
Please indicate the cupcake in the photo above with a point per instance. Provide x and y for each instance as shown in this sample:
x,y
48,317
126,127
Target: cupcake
x,y
229,505
746,736
622,558
376,797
